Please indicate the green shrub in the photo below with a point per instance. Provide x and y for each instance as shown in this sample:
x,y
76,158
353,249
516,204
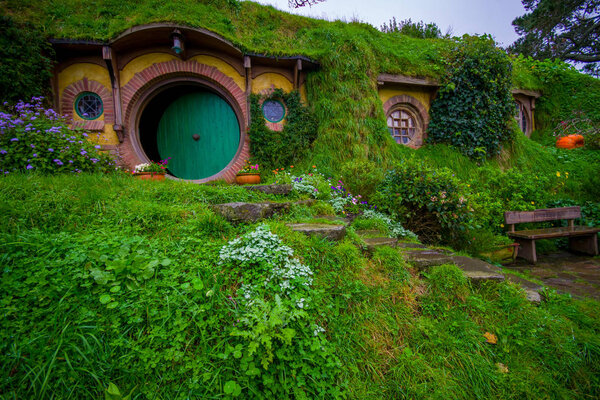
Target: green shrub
x,y
35,139
26,61
272,149
277,331
362,176
474,104
430,202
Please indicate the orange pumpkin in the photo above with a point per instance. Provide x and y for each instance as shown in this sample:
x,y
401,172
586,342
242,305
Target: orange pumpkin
x,y
570,142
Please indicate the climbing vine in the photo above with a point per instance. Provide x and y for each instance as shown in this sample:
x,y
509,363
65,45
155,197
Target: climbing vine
x,y
273,149
474,104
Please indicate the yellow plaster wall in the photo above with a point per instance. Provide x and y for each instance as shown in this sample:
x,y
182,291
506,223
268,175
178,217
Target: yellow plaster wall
x,y
224,67
140,63
423,96
92,72
77,72
109,136
303,97
271,80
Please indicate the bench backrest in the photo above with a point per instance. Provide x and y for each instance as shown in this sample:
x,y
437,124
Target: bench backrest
x,y
542,215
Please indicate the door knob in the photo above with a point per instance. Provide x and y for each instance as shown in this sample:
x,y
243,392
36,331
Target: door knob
x,y
196,137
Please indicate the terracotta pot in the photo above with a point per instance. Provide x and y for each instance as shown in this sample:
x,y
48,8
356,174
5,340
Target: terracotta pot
x,y
570,142
155,176
247,179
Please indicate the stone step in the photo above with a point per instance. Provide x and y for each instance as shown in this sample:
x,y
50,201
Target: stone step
x,y
409,245
331,232
426,258
477,270
375,242
368,233
333,218
240,212
532,289
271,189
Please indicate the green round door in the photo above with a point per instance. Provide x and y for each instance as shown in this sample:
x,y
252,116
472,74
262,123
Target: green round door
x,y
201,134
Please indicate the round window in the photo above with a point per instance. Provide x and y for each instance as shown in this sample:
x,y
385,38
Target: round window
x,y
89,105
273,110
402,125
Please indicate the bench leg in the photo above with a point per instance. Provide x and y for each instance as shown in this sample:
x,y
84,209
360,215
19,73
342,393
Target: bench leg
x,y
584,244
527,250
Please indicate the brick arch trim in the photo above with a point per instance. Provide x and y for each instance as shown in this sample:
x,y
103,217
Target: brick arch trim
x,y
67,103
417,106
406,99
131,92
145,80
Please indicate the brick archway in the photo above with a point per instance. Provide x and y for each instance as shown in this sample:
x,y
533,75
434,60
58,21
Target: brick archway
x,y
67,103
145,84
417,107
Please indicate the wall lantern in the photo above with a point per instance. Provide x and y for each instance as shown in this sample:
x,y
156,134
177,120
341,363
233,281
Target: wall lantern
x,y
177,38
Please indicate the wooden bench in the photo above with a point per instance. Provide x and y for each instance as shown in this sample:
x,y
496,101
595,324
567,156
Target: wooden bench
x,y
581,238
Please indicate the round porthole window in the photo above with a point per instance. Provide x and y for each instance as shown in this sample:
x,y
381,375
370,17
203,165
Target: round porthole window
x,y
89,105
273,110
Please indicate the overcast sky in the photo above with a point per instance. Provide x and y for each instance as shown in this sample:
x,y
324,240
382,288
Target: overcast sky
x,y
463,16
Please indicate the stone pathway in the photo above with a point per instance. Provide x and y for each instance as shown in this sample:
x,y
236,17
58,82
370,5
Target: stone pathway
x,y
423,257
566,272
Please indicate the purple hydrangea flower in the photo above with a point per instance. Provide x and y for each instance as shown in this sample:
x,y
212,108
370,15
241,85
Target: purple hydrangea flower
x,y
97,146
51,150
32,146
14,139
29,166
57,161
83,152
2,151
35,154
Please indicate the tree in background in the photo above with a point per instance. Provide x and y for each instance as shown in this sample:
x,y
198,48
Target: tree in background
x,y
302,3
419,29
565,29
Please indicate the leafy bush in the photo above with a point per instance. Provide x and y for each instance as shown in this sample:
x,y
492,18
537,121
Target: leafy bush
x,y
394,228
362,176
36,139
511,190
430,202
271,148
276,325
26,61
474,105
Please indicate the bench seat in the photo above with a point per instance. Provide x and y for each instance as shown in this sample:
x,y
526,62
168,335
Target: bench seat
x,y
582,239
550,233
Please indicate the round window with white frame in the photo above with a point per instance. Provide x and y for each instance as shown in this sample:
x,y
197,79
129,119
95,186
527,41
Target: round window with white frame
x,y
403,125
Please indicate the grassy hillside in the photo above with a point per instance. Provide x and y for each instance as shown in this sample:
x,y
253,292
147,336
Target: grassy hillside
x,y
109,282
82,309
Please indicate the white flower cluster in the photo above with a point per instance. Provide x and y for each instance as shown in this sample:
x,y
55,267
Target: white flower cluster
x,y
318,329
258,245
261,245
293,271
141,167
304,184
396,229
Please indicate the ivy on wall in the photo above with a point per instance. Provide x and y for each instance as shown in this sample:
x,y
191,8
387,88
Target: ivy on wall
x,y
474,104
26,59
287,147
